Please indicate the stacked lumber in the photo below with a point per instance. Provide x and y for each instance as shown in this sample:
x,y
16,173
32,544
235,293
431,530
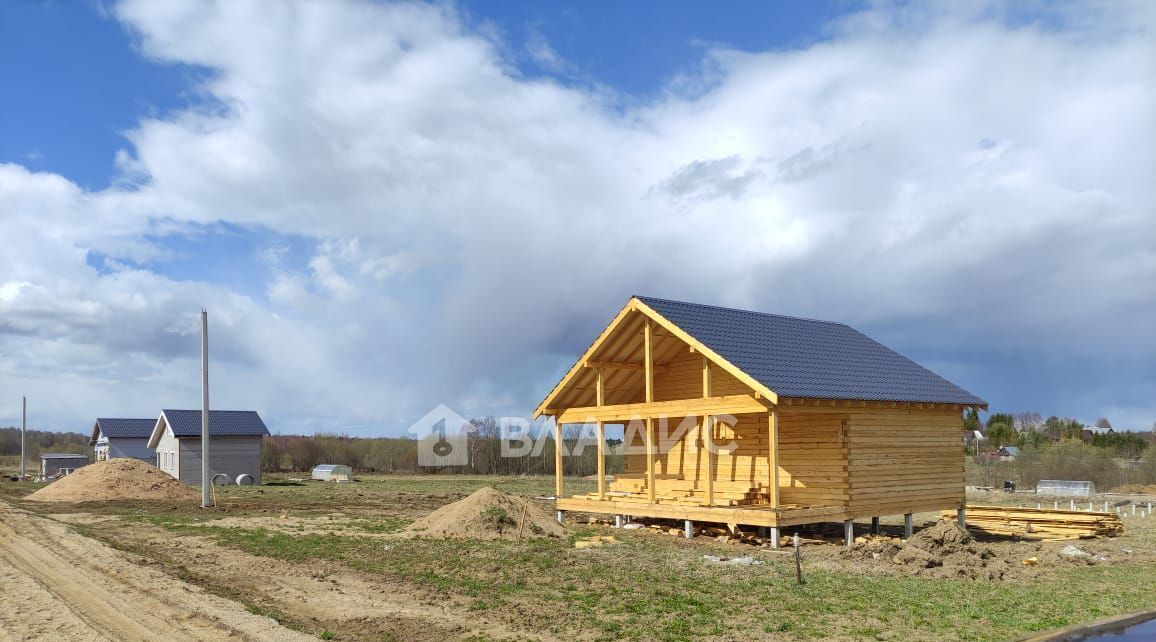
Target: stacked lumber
x,y
1041,523
687,493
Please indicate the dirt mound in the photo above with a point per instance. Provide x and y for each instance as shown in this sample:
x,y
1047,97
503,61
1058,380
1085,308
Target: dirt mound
x,y
487,514
112,480
941,550
1135,489
946,550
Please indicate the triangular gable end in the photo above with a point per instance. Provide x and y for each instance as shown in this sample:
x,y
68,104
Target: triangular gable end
x,y
158,430
635,305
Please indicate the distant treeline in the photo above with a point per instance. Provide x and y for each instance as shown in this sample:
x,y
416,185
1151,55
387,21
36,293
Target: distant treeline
x,y
1071,459
39,441
1029,429
484,444
1059,448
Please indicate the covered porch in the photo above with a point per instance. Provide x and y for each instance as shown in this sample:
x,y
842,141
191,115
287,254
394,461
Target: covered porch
x,y
704,441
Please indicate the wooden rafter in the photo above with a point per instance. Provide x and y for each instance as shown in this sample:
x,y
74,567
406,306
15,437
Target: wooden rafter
x,y
721,405
729,367
620,335
615,365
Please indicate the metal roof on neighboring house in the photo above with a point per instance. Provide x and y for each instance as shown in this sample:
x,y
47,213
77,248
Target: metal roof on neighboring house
x,y
187,423
62,456
811,359
115,428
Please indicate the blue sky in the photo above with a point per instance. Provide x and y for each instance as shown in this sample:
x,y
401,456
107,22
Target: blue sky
x,y
83,83
388,206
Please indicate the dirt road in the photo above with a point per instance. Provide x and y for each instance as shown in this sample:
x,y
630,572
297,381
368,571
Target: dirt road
x,y
57,584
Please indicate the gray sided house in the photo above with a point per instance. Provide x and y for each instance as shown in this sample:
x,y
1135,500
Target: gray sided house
x,y
123,438
234,444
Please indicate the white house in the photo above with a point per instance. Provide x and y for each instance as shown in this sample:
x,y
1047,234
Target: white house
x,y
234,444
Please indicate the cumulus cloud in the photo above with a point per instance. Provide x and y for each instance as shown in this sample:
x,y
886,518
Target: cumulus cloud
x,y
970,187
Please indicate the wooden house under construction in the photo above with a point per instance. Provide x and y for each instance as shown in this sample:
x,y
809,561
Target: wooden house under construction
x,y
755,419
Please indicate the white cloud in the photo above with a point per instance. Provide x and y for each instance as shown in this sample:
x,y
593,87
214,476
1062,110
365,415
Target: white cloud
x,y
963,187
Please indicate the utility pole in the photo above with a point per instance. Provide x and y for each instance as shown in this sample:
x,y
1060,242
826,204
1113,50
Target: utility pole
x,y
206,481
23,438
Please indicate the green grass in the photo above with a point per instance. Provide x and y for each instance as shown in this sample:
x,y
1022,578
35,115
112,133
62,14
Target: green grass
x,y
650,587
653,586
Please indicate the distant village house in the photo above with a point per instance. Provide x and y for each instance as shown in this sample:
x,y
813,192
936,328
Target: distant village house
x,y
53,464
114,438
234,444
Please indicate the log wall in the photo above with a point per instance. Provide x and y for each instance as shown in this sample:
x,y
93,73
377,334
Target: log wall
x,y
873,461
905,461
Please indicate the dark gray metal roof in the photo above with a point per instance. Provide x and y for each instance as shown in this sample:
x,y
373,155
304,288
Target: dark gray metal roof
x,y
811,359
187,423
115,428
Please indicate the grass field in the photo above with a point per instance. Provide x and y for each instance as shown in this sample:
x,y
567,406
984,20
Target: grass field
x,y
652,586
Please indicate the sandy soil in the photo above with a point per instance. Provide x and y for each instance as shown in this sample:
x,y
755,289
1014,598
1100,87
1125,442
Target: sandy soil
x,y
322,594
488,514
56,584
115,479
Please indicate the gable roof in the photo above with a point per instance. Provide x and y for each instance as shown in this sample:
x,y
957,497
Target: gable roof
x,y
119,428
222,423
810,359
774,355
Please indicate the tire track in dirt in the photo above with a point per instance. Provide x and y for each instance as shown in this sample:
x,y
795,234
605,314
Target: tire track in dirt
x,y
59,584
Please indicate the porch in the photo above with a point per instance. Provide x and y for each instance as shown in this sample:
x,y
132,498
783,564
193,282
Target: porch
x,y
757,515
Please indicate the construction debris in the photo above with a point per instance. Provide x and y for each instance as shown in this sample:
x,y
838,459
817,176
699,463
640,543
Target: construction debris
x,y
596,541
745,560
1041,523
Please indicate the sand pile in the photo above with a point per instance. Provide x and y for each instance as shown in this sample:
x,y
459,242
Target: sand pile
x,y
487,514
112,480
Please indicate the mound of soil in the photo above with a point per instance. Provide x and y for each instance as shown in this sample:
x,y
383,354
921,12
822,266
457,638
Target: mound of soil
x,y
112,480
487,514
1135,489
946,550
942,550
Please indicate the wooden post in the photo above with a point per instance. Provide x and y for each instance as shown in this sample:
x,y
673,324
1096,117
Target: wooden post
x,y
798,561
773,458
874,525
688,529
650,491
961,517
648,367
599,395
648,356
908,526
774,537
558,459
708,435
